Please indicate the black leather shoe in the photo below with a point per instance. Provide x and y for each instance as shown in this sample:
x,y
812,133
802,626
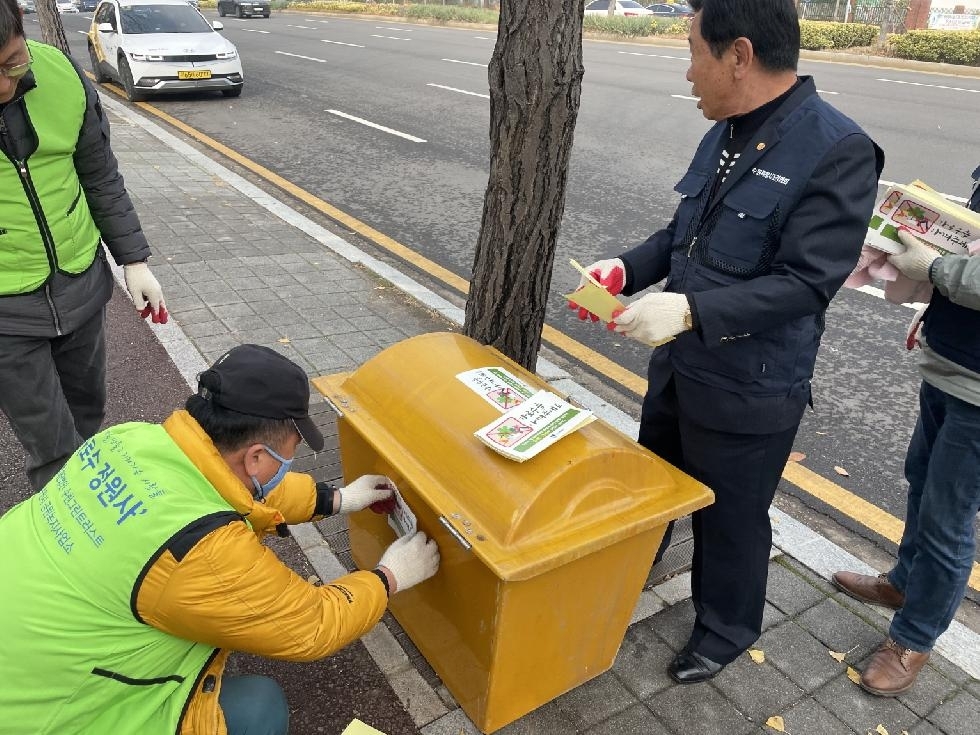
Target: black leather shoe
x,y
689,667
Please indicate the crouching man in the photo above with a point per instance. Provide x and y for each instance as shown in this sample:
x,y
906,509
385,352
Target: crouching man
x,y
131,576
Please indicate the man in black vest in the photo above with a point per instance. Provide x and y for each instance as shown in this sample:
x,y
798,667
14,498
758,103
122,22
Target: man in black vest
x,y
942,466
773,213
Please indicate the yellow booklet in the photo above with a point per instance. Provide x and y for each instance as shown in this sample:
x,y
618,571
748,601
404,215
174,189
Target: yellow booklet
x,y
594,297
356,727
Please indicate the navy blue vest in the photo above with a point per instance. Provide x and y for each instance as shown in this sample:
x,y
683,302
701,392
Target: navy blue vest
x,y
951,330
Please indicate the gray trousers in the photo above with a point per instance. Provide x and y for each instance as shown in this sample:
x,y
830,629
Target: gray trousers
x,y
53,392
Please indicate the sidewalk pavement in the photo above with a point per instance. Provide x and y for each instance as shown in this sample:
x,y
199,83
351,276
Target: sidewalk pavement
x,y
237,265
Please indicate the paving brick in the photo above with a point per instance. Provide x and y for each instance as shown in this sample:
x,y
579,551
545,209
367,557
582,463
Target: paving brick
x,y
756,690
698,708
789,591
642,661
840,630
863,711
637,720
959,715
800,656
674,624
548,718
809,718
931,688
596,700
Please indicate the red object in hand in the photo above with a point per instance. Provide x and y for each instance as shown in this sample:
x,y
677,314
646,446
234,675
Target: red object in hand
x,y
158,317
383,507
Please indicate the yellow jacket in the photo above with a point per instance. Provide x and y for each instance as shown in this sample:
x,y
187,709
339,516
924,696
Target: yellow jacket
x,y
232,592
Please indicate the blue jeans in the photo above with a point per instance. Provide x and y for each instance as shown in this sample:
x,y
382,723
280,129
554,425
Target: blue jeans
x,y
936,554
253,705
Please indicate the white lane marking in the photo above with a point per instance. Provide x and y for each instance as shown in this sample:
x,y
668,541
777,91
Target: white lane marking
x,y
461,91
387,28
923,84
315,20
341,43
370,124
391,38
873,291
655,56
824,91
469,63
483,38
951,197
305,28
683,97
300,56
254,30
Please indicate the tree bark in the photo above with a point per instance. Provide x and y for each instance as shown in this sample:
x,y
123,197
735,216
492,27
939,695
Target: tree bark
x,y
52,31
535,87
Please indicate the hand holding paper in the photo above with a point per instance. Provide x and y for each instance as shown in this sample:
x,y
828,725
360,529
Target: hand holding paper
x,y
595,296
915,261
654,319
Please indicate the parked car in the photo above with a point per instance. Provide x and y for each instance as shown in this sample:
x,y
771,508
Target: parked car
x,y
86,5
244,8
27,6
66,6
627,8
672,10
154,46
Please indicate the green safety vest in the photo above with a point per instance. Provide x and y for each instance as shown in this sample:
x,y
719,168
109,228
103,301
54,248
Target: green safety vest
x,y
47,224
76,657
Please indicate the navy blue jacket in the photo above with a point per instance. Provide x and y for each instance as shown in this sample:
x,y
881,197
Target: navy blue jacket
x,y
760,263
953,331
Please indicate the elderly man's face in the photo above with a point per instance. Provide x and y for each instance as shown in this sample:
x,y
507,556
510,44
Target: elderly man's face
x,y
712,79
14,63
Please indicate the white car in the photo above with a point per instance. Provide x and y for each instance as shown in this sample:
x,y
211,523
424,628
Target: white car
x,y
627,8
154,46
66,6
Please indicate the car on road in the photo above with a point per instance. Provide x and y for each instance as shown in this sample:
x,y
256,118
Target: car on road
x,y
156,46
244,8
671,10
624,8
27,6
86,5
66,6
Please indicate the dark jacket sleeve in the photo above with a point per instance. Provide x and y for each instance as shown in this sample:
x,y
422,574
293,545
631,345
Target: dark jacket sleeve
x,y
105,191
649,262
819,247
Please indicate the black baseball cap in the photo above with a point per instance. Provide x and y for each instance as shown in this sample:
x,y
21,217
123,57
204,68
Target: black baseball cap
x,y
258,381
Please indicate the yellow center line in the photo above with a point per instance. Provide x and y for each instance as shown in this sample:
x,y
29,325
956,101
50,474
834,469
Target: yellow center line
x,y
844,501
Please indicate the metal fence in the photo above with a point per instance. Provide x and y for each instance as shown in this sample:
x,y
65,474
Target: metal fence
x,y
889,15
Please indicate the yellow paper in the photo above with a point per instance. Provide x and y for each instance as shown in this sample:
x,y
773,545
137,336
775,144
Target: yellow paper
x,y
359,728
594,297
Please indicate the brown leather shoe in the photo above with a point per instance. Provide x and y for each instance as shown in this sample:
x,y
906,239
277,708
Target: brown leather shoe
x,y
892,670
875,590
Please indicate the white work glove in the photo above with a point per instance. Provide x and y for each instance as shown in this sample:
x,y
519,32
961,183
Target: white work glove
x,y
655,318
146,292
364,491
916,259
611,274
410,560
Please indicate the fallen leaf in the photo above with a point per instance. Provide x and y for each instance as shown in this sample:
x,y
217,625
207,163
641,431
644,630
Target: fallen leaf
x,y
853,675
881,730
283,340
842,471
776,723
837,656
796,456
313,579
758,656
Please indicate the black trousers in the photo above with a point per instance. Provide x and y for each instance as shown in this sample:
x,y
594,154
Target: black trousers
x,y
53,392
733,536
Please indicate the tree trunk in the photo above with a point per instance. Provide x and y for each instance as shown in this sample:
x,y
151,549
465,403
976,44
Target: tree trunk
x,y
535,86
52,32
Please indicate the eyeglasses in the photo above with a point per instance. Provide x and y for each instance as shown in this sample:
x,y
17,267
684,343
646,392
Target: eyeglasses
x,y
16,71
